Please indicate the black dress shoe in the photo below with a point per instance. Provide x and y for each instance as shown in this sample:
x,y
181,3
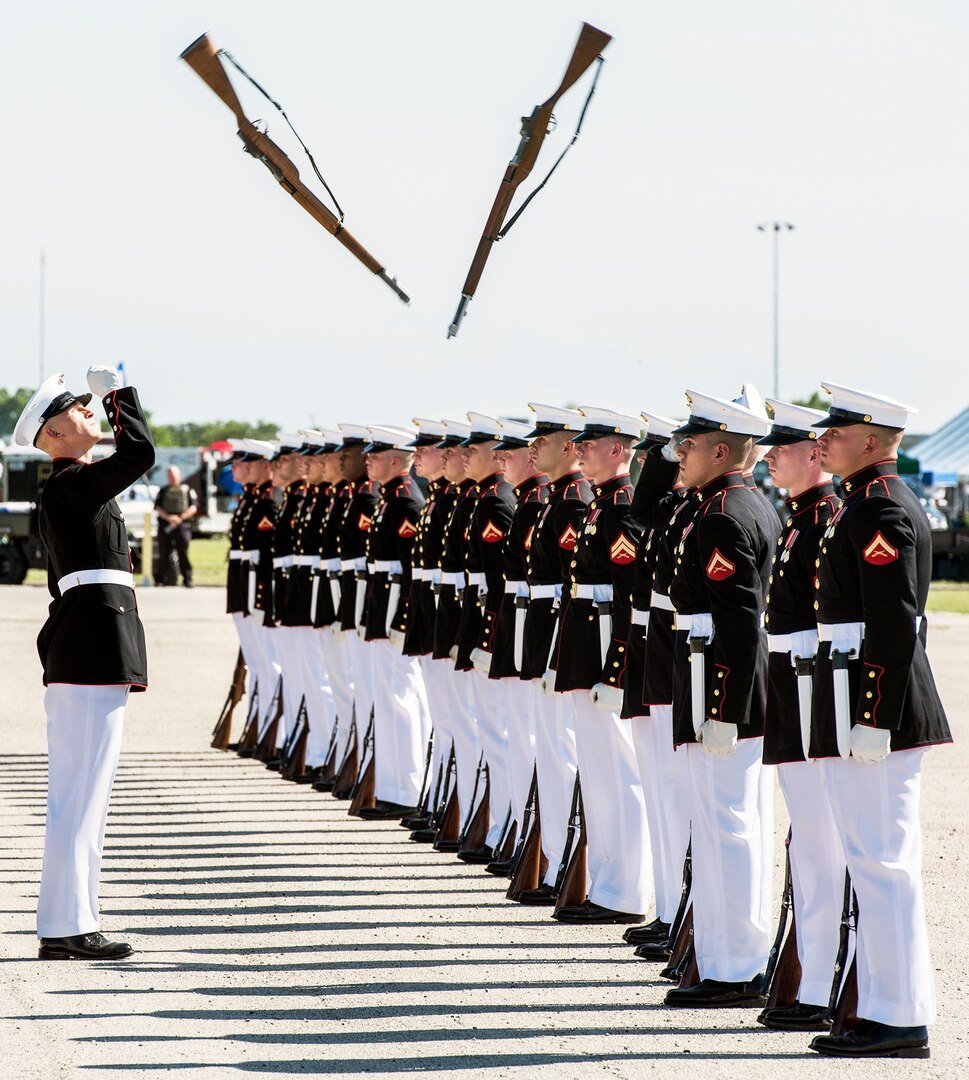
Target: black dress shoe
x,y
325,785
93,946
478,856
423,836
796,1017
544,894
657,951
449,847
246,751
587,912
275,763
386,811
656,931
713,994
418,821
505,868
870,1039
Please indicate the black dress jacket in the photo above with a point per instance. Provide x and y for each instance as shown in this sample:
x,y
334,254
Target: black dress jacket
x,y
498,636
284,547
605,554
328,570
723,562
354,529
93,635
307,539
447,618
426,558
549,563
236,574
490,523
874,568
391,540
790,609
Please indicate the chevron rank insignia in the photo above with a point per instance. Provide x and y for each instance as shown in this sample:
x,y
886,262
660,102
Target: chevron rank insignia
x,y
880,552
623,550
407,529
568,538
719,568
364,523
491,534
265,525
528,538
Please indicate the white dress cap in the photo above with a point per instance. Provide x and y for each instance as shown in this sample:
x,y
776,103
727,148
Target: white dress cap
x,y
552,418
51,398
849,406
483,429
791,423
387,438
600,423
429,432
354,433
514,435
456,431
259,448
708,413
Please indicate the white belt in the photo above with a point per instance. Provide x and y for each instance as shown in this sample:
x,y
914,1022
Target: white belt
x,y
661,601
417,574
685,622
96,577
250,556
640,618
780,643
546,592
235,555
433,575
516,588
477,579
830,631
453,577
284,562
371,568
599,593
306,560
354,564
387,566
332,565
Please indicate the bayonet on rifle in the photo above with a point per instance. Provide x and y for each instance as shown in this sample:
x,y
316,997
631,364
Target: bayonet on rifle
x,y
534,129
206,61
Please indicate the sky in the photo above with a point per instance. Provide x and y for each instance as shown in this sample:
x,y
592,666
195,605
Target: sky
x,y
637,273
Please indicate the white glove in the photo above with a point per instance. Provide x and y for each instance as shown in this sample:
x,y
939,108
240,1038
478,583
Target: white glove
x,y
453,653
671,451
548,683
102,380
717,737
606,697
481,661
396,638
870,744
361,633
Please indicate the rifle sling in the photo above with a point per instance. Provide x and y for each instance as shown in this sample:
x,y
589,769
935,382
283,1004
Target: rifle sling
x,y
558,161
242,71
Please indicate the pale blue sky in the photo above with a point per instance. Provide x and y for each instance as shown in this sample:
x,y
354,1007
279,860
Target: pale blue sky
x,y
636,274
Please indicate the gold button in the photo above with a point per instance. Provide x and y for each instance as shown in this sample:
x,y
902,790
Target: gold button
x,y
780,541
793,505
592,618
713,710
781,572
612,678
816,605
719,674
817,563
770,580
615,663
790,521
622,648
871,674
716,693
824,551
869,694
867,715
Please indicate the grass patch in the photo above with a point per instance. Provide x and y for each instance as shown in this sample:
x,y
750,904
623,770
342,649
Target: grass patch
x,y
949,596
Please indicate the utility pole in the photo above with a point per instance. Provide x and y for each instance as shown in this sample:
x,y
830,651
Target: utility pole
x,y
776,227
42,316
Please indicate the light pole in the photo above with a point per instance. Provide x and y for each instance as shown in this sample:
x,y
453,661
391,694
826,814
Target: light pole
x,y
776,227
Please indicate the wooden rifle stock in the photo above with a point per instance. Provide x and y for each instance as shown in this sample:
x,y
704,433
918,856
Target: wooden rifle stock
x,y
347,774
362,796
782,976
223,726
843,1005
681,948
204,59
449,816
294,764
572,885
590,44
531,863
266,747
476,832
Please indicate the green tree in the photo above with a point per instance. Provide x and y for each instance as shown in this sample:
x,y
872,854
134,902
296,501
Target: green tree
x,y
816,401
12,404
202,434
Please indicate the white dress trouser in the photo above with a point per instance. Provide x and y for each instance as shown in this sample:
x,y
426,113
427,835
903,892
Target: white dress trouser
x,y
257,660
557,762
493,732
467,746
336,654
620,870
401,724
266,637
289,656
818,877
83,746
361,663
731,807
436,675
516,702
320,710
663,774
876,808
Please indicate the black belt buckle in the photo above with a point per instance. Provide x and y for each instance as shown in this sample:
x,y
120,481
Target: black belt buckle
x,y
803,666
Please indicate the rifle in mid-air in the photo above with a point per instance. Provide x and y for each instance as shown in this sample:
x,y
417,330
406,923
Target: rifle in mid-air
x,y
206,61
534,129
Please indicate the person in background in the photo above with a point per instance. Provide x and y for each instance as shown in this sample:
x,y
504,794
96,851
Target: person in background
x,y
176,505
